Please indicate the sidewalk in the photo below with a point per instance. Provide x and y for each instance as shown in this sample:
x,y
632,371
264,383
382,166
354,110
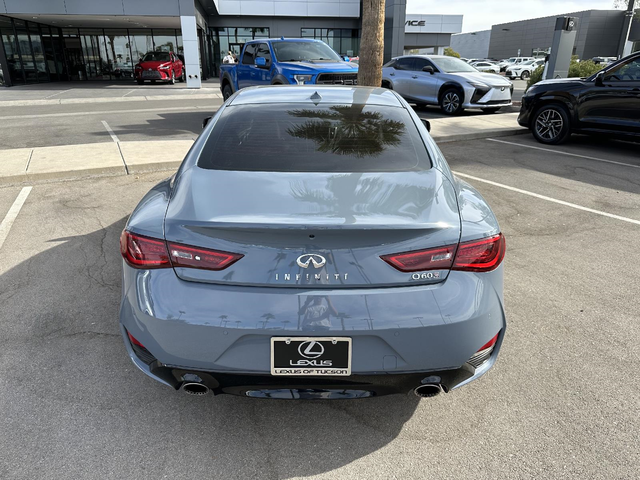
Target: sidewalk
x,y
28,165
103,92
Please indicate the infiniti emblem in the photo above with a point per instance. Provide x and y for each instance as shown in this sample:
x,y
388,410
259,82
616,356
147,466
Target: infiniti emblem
x,y
317,260
311,349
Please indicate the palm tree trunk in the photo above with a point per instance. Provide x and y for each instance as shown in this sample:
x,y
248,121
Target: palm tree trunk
x,y
371,43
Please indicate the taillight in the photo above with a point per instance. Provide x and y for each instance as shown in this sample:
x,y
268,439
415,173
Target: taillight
x,y
421,260
475,256
193,257
480,255
143,252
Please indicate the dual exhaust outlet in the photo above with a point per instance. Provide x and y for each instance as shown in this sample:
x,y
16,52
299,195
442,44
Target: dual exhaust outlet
x,y
428,390
423,391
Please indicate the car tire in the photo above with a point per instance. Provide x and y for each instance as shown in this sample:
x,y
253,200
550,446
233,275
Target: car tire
x,y
172,81
551,124
490,110
182,77
140,82
226,92
525,75
451,101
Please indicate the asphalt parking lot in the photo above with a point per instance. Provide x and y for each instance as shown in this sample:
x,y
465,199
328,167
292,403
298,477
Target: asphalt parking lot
x,y
561,401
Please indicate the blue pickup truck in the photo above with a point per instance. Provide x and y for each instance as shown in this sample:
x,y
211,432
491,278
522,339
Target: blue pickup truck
x,y
286,61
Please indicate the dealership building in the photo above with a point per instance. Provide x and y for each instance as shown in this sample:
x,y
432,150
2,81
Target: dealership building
x,y
598,35
70,40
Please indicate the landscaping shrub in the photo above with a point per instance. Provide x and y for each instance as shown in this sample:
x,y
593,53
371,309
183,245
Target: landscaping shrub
x,y
576,69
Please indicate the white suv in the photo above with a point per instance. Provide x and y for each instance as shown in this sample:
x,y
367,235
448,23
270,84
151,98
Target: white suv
x,y
513,61
523,70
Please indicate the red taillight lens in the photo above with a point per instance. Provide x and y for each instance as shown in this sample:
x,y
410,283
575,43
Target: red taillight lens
x,y
476,256
480,256
490,343
192,257
134,341
143,252
432,259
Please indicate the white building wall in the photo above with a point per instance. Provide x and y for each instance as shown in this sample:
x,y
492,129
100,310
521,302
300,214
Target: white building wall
x,y
433,23
473,44
290,8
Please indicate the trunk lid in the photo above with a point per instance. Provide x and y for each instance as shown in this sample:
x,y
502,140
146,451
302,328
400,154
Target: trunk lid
x,y
319,230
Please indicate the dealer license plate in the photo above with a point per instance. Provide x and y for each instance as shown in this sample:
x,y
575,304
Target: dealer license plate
x,y
320,356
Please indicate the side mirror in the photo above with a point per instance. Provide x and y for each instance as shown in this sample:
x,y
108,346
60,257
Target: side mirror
x,y
599,79
205,122
261,62
428,69
425,122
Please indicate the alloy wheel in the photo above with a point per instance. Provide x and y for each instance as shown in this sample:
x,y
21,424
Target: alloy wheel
x,y
451,102
549,124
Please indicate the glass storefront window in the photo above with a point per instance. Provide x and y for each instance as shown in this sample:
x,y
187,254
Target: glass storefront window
x,y
11,52
141,43
164,40
345,41
52,53
118,54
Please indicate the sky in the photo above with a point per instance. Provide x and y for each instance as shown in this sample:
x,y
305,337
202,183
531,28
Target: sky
x,y
481,14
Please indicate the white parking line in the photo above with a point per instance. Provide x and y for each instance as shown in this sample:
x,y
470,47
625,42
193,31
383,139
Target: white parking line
x,y
128,93
57,93
11,215
564,153
549,199
114,137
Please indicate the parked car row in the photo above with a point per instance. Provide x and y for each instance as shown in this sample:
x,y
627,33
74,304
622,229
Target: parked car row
x,y
523,70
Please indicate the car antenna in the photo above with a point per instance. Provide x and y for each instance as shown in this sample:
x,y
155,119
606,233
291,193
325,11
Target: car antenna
x,y
316,98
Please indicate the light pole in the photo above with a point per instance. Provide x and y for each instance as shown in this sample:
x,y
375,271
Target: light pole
x,y
626,27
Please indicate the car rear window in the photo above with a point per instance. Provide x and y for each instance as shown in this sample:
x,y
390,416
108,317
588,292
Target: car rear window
x,y
310,138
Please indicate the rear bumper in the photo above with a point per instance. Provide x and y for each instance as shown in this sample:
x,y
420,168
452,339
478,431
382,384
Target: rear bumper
x,y
399,335
267,386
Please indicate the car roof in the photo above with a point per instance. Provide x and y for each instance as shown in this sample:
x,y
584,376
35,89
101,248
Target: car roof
x,y
302,94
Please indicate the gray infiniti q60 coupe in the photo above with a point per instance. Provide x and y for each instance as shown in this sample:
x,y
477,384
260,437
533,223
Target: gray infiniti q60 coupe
x,y
313,244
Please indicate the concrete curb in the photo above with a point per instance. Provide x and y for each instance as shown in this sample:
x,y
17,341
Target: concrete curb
x,y
142,165
461,137
140,98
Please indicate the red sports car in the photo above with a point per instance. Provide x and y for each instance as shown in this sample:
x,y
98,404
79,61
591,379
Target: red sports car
x,y
159,66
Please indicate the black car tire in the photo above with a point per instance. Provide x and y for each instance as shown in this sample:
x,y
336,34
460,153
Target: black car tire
x,y
551,124
491,110
140,82
182,77
172,81
525,75
451,101
226,92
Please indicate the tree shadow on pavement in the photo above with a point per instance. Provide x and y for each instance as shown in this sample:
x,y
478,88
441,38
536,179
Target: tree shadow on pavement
x,y
74,406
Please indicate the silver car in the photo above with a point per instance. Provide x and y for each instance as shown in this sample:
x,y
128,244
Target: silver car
x,y
446,81
313,244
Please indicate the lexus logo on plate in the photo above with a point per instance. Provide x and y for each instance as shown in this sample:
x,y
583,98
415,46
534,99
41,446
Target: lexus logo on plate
x,y
317,260
311,349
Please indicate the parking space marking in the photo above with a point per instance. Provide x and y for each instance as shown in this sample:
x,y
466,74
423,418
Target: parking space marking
x,y
11,215
128,93
114,137
564,153
106,112
57,93
549,199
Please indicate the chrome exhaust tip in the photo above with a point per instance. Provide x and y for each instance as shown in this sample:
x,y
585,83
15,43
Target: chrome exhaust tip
x,y
192,388
427,391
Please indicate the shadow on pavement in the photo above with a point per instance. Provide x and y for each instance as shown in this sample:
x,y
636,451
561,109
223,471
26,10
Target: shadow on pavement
x,y
75,406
